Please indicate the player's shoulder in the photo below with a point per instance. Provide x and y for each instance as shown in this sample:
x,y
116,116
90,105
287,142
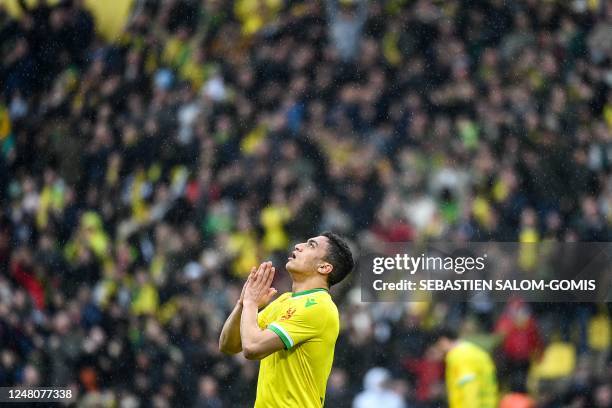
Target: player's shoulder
x,y
313,297
283,297
466,350
314,302
281,300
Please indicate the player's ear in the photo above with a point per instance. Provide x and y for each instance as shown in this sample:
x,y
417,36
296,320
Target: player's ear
x,y
325,268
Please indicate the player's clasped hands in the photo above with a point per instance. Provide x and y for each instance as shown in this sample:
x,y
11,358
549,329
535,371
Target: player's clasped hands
x,y
257,288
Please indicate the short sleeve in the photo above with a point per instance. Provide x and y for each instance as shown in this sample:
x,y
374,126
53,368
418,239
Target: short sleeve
x,y
266,315
263,317
297,325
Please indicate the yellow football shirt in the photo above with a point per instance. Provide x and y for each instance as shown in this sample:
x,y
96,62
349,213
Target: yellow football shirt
x,y
308,324
471,381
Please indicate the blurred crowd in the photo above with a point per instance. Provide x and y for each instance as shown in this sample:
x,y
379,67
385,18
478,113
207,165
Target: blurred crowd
x,y
141,178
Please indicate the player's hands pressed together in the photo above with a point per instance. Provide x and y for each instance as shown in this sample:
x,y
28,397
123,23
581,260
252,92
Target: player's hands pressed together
x,y
241,299
229,339
257,289
257,343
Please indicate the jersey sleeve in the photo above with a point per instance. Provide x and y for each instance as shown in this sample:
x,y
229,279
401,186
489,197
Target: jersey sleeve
x,y
297,325
263,317
266,315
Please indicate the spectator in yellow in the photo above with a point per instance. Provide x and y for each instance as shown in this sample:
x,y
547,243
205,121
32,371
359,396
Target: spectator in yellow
x,y
145,298
273,219
529,238
243,247
90,234
254,14
177,50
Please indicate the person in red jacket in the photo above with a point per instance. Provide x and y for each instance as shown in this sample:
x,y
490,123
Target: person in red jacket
x,y
22,272
429,375
520,337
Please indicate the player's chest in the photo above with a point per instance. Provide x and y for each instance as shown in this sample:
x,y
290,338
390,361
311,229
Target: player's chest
x,y
285,310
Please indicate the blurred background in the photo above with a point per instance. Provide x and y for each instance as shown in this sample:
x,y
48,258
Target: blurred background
x,y
152,152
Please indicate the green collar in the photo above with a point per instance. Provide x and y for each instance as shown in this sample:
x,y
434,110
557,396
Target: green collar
x,y
309,291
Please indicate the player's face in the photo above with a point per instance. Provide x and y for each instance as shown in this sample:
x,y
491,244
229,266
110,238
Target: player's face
x,y
438,350
434,352
307,256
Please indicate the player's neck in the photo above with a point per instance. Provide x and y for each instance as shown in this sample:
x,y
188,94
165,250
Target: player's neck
x,y
300,285
453,344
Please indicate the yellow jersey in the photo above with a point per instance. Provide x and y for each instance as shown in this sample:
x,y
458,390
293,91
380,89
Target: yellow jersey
x,y
307,322
471,381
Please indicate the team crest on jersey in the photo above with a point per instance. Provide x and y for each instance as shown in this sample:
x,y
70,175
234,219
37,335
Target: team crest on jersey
x,y
288,313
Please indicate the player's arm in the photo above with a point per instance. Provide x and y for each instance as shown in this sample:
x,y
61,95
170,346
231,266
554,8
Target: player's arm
x,y
468,390
463,385
229,340
257,343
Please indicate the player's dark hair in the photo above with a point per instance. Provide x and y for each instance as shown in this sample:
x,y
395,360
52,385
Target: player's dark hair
x,y
340,256
442,332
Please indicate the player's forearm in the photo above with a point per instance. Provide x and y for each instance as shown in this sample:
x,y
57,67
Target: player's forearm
x,y
250,333
229,340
